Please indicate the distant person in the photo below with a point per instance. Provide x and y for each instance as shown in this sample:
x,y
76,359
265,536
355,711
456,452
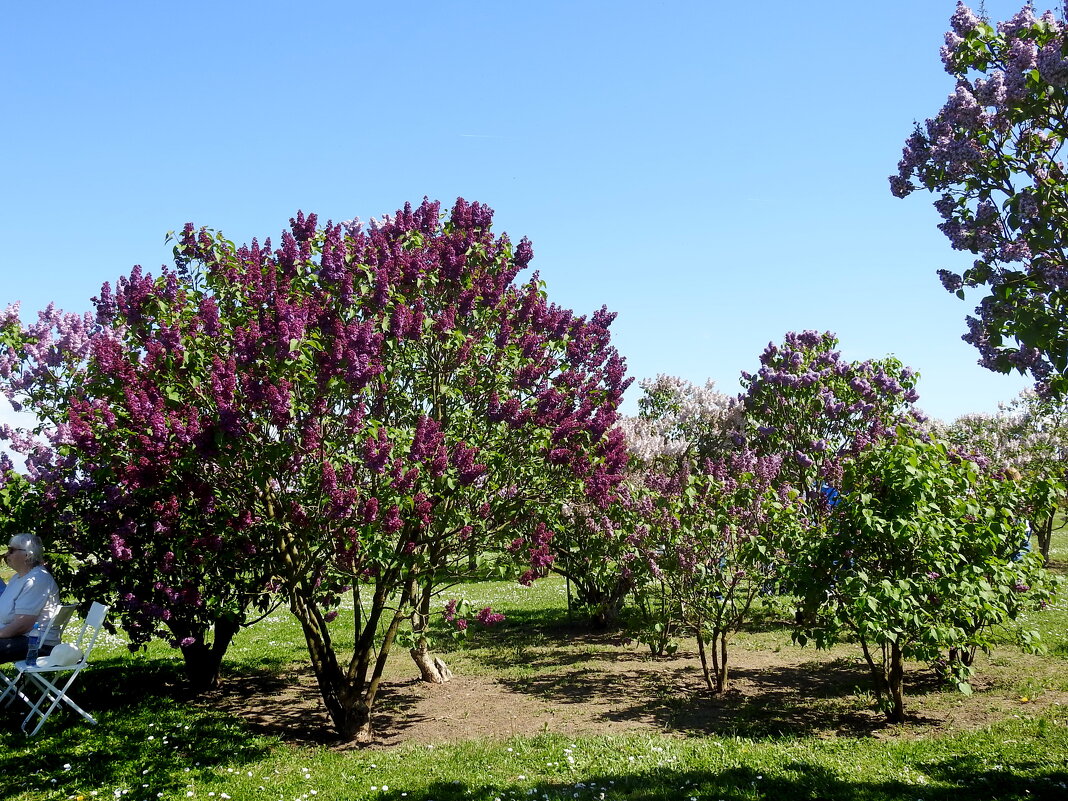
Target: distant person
x,y
31,596
831,496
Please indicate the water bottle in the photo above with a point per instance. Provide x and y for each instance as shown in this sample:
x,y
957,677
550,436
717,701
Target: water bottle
x,y
34,639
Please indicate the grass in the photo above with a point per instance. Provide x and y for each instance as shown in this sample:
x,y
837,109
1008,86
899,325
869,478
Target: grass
x,y
162,752
155,742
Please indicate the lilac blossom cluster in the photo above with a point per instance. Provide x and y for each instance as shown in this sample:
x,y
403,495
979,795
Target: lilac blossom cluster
x,y
32,361
679,418
991,157
452,615
733,498
1026,438
813,409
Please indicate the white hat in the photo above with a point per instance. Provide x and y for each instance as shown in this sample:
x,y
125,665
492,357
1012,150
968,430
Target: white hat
x,y
63,655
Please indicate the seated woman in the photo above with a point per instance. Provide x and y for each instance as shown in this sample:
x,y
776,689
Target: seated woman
x,y
31,596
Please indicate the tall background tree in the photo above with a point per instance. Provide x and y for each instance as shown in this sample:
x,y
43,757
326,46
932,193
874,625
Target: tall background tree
x,y
992,157
678,419
1027,438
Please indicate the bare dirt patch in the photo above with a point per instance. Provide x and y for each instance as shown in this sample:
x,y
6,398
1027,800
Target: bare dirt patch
x,y
576,690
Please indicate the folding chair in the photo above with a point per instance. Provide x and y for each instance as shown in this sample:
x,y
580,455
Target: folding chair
x,y
57,624
54,691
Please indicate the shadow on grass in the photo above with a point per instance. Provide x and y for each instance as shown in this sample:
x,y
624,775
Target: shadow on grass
x,y
540,619
537,656
795,780
288,707
796,701
149,732
536,630
135,700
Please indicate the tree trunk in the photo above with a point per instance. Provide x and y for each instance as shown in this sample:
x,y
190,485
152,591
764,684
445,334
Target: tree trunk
x,y
716,674
348,693
1043,529
963,655
606,615
877,670
721,660
704,659
202,667
203,662
349,710
896,685
472,557
348,698
602,604
431,668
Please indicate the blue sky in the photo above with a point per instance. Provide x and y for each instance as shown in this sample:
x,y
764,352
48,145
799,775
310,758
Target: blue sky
x,y
714,172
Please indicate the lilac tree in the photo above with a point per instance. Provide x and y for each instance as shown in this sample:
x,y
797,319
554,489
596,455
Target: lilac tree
x,y
365,407
714,539
991,155
119,479
598,548
816,410
1027,438
680,420
921,556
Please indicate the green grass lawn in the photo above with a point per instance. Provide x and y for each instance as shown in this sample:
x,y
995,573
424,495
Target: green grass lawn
x,y
154,742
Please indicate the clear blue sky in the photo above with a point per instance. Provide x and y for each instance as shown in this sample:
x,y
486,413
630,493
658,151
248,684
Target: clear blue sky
x,y
714,172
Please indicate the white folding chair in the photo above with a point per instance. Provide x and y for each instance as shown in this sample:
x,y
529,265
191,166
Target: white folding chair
x,y
54,690
53,630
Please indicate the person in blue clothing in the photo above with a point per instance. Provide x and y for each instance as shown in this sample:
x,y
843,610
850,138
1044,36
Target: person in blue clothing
x,y
31,596
830,495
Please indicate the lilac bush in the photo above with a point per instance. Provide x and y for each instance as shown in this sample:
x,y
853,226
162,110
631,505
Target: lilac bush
x,y
920,558
119,486
815,410
708,517
1027,439
357,410
598,548
714,541
991,156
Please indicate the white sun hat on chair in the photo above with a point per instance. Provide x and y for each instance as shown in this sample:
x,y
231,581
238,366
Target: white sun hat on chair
x,y
63,655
